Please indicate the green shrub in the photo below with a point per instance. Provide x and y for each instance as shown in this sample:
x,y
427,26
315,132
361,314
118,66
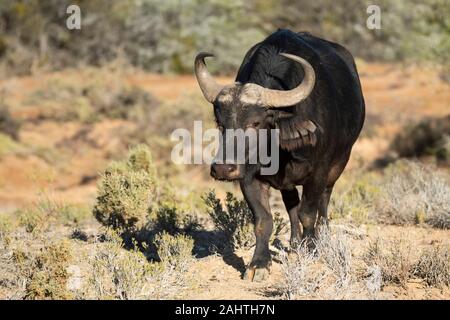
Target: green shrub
x,y
279,226
235,221
174,251
167,219
127,191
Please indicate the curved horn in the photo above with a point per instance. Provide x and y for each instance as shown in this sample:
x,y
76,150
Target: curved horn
x,y
255,94
208,85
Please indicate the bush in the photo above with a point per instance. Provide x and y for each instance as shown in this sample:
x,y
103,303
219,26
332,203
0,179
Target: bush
x,y
35,267
33,219
325,273
174,251
8,125
49,276
235,221
126,191
167,219
433,266
428,137
356,202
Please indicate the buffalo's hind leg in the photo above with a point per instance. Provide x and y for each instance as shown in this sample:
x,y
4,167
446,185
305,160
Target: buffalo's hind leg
x,y
323,206
311,196
292,202
256,193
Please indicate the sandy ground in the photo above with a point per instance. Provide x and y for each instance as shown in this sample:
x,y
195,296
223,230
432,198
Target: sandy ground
x,y
394,96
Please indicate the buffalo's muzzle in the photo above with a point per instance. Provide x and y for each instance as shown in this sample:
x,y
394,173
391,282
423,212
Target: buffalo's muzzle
x,y
225,171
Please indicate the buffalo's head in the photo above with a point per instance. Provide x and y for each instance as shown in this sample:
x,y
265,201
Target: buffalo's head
x,y
245,108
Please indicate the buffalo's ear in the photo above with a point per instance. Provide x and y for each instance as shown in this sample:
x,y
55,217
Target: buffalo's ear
x,y
296,133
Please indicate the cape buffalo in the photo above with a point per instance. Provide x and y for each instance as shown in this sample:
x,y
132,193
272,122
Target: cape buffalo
x,y
309,89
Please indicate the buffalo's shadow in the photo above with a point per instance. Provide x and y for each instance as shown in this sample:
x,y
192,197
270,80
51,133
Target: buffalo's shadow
x,y
208,243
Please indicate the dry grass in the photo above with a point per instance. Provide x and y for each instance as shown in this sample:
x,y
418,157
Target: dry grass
x,y
335,251
393,258
300,277
337,271
405,193
433,266
414,194
121,274
326,273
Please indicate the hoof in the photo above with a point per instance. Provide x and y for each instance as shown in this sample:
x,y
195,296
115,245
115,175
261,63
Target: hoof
x,y
294,244
256,274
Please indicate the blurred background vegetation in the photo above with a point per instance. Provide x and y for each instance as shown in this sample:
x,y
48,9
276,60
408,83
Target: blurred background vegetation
x,y
164,35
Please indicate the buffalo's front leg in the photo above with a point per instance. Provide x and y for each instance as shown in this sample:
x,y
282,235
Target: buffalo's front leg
x,y
256,193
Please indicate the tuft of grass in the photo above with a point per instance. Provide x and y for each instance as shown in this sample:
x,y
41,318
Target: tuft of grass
x,y
433,266
8,145
335,251
120,274
7,225
301,277
393,258
39,217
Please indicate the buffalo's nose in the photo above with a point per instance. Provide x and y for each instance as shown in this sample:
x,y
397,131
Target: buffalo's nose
x,y
224,171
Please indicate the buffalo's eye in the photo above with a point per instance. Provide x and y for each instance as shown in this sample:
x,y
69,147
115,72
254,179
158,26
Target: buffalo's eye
x,y
253,124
